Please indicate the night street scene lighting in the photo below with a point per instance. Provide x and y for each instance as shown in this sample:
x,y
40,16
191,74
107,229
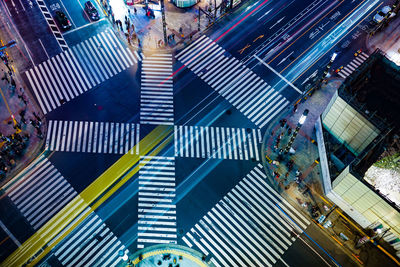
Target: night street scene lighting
x,y
200,133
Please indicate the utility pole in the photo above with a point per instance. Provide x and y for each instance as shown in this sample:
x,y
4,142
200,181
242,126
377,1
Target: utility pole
x,y
164,23
198,25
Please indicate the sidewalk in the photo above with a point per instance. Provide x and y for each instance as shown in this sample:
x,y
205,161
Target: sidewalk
x,y
182,23
387,40
21,125
301,184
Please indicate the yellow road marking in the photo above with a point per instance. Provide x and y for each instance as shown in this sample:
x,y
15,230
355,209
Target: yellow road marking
x,y
49,235
244,48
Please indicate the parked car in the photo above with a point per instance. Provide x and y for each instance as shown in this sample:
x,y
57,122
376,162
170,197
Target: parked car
x,y
91,11
62,20
382,14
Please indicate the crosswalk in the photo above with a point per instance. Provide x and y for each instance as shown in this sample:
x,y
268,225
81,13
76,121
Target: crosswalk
x,y
156,100
217,142
93,137
78,69
238,84
90,244
353,65
41,192
251,226
156,211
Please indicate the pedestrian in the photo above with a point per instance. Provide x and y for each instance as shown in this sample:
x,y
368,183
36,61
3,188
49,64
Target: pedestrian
x,y
129,12
37,118
134,10
190,37
173,36
22,115
180,30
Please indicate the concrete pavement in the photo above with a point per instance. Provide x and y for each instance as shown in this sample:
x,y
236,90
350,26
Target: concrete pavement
x,y
22,124
182,23
307,192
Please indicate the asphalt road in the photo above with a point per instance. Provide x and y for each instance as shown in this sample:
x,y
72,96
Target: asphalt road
x,y
203,185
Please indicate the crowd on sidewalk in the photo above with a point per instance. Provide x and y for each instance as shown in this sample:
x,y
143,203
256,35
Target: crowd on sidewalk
x,y
20,121
181,24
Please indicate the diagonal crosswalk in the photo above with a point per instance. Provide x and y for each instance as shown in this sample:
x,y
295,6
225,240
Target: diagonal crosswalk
x,y
41,192
93,137
156,211
353,65
79,69
156,99
217,142
238,84
90,244
251,226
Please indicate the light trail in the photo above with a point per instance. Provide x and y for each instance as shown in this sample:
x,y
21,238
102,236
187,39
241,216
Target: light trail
x,y
321,45
66,220
277,73
291,37
337,42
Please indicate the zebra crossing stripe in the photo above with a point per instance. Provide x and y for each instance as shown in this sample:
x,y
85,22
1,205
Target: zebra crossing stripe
x,y
50,22
215,142
156,213
353,65
156,100
41,192
92,137
247,227
91,244
77,70
233,80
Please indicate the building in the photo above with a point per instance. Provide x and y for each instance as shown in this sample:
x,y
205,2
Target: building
x,y
355,131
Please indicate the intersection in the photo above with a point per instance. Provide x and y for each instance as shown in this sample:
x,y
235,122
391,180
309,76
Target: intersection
x,y
147,147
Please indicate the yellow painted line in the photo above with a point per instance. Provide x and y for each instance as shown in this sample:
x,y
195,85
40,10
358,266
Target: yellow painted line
x,y
171,251
5,101
101,6
320,226
337,42
322,36
334,238
305,33
325,200
355,256
389,255
95,194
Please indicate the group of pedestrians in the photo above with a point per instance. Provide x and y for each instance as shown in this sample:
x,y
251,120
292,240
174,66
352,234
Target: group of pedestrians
x,y
11,149
278,148
14,142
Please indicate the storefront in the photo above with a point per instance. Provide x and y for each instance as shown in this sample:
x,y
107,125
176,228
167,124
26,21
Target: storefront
x,y
185,3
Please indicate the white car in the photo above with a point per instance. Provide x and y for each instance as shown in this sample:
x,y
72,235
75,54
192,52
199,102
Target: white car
x,y
380,16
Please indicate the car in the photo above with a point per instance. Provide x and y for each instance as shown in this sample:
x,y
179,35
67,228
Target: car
x,y
91,11
62,20
382,14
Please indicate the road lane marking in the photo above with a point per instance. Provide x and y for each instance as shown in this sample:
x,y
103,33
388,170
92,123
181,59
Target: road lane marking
x,y
278,74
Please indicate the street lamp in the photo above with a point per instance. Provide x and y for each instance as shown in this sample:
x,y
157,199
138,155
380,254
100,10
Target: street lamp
x,y
299,124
